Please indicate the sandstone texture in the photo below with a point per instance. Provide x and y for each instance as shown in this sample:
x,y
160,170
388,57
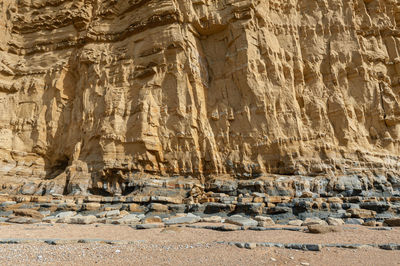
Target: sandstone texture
x,y
176,98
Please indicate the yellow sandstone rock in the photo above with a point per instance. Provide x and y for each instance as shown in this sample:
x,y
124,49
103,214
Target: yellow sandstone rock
x,y
93,93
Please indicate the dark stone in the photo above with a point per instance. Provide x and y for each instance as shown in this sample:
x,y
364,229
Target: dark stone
x,y
390,246
301,206
249,208
375,206
313,247
197,208
393,222
346,206
307,247
380,228
177,208
214,207
335,206
278,210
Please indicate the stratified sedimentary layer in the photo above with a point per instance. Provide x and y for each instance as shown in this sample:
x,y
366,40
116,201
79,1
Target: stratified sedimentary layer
x,y
97,93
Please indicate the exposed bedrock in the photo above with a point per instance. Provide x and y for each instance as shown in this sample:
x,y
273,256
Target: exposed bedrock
x,y
96,95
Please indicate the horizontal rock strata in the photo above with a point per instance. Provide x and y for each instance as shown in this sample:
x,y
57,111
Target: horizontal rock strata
x,y
98,97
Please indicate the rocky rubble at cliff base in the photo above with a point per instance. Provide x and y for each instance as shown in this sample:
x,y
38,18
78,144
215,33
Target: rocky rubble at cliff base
x,y
255,210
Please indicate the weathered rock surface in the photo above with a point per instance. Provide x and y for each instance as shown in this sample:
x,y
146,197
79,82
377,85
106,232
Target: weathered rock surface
x,y
241,221
323,229
97,96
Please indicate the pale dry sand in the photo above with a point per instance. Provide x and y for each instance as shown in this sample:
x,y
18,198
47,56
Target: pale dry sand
x,y
185,246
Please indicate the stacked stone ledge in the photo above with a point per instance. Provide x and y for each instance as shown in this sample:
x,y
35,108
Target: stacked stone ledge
x,y
203,201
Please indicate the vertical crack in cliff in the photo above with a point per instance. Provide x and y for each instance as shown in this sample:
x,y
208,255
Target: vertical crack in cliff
x,y
381,89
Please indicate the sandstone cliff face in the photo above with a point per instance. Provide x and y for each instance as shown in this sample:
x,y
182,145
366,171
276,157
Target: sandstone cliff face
x,y
96,93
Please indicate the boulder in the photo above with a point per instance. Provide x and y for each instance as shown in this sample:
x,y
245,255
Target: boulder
x,y
314,221
264,221
334,221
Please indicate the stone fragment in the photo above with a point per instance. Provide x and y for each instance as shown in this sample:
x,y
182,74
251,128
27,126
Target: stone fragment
x,y
28,213
307,194
162,199
157,207
214,207
80,219
334,221
211,219
295,222
91,206
150,226
312,221
23,220
354,221
152,220
323,229
264,221
123,213
127,219
370,223
378,207
50,219
108,214
393,222
361,213
241,221
133,207
189,219
390,246
250,245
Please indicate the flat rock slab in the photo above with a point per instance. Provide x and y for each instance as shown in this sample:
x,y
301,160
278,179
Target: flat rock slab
x,y
28,213
183,220
149,226
381,228
323,229
78,219
241,221
295,229
65,214
128,219
23,220
224,227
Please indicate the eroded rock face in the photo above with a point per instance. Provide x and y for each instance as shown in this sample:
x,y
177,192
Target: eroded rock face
x,y
95,93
